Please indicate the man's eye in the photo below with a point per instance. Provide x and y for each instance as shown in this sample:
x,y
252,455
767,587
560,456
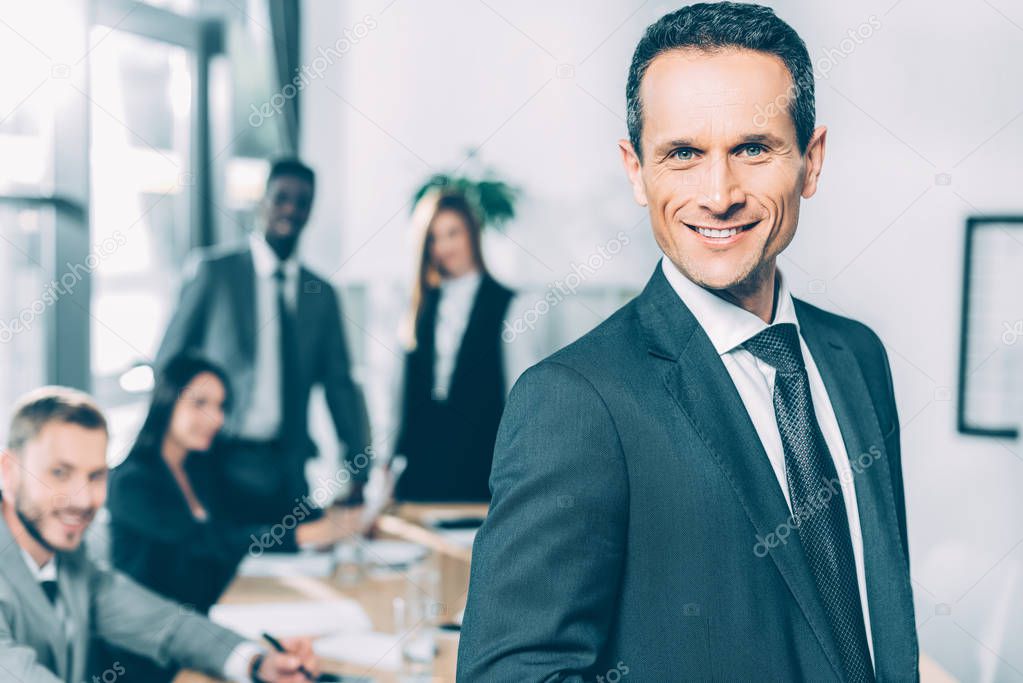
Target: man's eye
x,y
683,154
753,150
59,472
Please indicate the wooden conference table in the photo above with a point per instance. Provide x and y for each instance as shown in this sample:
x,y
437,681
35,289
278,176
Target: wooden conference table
x,y
376,592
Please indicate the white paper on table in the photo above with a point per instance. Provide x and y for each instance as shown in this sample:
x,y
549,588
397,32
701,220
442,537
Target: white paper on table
x,y
381,651
293,618
302,563
382,552
460,537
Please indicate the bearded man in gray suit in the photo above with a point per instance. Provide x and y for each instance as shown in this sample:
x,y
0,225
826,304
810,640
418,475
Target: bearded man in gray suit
x,y
54,599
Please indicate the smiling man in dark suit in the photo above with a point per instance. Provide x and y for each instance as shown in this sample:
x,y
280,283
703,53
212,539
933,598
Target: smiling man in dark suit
x,y
275,328
709,484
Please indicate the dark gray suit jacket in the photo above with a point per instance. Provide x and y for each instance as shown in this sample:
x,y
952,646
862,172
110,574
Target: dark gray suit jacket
x,y
102,603
630,491
216,317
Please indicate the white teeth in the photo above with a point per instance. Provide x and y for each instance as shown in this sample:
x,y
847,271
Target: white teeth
x,y
707,232
72,520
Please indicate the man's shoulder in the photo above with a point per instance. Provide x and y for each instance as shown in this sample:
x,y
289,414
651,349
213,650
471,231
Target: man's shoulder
x,y
853,332
214,261
221,253
603,353
310,275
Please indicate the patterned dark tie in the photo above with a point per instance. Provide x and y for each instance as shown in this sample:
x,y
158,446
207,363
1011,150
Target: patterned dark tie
x,y
816,497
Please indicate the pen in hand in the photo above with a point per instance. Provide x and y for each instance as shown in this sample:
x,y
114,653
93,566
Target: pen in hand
x,y
276,644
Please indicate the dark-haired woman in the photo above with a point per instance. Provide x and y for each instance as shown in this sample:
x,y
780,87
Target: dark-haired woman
x,y
454,382
169,529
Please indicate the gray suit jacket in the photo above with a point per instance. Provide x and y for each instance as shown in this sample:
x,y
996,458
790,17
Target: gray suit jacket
x,y
216,316
630,493
102,603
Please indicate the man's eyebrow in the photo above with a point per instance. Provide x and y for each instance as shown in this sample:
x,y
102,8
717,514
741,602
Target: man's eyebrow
x,y
668,145
765,138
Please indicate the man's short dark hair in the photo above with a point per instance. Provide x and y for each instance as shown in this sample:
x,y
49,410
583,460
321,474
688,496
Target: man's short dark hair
x,y
723,25
291,167
42,406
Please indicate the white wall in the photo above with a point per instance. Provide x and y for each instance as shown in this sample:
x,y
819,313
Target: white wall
x,y
932,89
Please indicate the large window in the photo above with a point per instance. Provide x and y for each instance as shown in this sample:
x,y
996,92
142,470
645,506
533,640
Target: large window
x,y
141,191
122,152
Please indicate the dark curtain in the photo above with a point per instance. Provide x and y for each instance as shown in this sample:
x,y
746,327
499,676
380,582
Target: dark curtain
x,y
285,25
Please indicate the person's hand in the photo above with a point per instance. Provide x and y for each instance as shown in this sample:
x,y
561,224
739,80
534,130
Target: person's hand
x,y
284,667
335,525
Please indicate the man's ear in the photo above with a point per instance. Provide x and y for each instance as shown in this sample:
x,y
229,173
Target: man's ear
x,y
633,167
8,475
814,160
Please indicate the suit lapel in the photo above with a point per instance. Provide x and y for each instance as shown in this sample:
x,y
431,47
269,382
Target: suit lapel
x,y
467,344
889,596
701,386
14,570
306,316
74,592
243,289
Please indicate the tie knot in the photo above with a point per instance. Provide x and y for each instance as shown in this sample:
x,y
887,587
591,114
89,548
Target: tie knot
x,y
49,587
279,275
778,346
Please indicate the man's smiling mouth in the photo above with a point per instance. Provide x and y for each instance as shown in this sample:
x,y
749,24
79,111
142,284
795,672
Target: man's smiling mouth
x,y
720,232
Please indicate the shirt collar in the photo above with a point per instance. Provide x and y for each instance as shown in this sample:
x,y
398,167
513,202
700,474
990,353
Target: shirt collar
x,y
265,260
48,572
727,325
462,283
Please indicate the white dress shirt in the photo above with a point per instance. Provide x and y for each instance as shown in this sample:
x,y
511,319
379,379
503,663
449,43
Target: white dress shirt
x,y
48,572
236,668
728,326
263,419
457,296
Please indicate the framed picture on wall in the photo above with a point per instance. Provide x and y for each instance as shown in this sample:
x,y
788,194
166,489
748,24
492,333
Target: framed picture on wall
x,y
991,332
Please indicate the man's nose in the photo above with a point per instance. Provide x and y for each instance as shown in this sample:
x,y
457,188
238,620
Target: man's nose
x,y
80,497
719,189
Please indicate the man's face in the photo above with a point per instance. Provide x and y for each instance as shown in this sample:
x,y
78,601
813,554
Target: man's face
x,y
58,481
286,207
722,173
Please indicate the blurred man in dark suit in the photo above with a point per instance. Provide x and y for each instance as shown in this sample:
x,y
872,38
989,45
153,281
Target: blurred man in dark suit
x,y
709,484
275,328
